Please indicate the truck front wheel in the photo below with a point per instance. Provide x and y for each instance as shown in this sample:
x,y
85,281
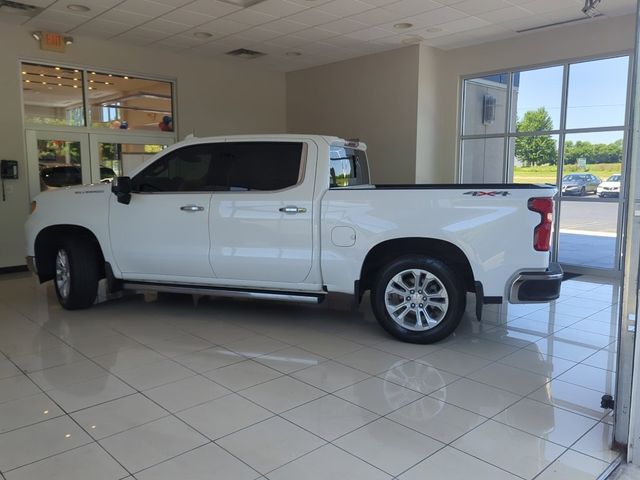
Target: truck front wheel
x,y
418,299
76,274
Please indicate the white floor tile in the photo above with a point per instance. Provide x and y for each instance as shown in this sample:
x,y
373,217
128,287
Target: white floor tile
x,y
455,362
290,359
8,369
325,463
186,393
152,443
282,394
60,376
91,392
371,443
97,346
33,362
487,349
418,376
371,361
27,411
330,417
503,447
209,462
241,375
33,443
224,415
270,444
574,398
437,419
150,375
546,421
118,415
86,462
509,378
562,348
605,359
330,376
410,351
452,464
378,395
597,443
590,377
538,363
256,346
476,397
128,358
179,345
205,360
575,466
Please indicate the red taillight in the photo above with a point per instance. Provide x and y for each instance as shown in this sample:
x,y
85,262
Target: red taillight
x,y
542,232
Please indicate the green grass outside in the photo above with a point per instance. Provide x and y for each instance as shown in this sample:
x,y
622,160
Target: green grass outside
x,y
547,173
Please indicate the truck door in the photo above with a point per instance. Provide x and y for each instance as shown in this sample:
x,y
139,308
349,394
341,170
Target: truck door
x,y
261,227
164,230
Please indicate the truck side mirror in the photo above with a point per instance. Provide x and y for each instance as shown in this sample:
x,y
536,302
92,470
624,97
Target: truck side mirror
x,y
122,189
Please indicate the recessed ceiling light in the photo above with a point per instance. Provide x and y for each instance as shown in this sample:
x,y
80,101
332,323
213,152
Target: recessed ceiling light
x,y
403,25
78,8
126,78
202,35
434,29
293,54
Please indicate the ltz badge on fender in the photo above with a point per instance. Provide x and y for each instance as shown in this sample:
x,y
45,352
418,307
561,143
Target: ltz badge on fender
x,y
477,193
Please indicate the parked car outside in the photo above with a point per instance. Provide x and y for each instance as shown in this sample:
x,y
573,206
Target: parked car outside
x,y
59,175
580,184
610,187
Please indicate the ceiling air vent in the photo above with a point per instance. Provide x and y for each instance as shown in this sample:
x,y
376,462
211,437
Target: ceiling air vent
x,y
245,53
555,24
17,8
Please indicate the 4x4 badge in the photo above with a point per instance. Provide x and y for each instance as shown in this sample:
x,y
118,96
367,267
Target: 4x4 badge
x,y
477,193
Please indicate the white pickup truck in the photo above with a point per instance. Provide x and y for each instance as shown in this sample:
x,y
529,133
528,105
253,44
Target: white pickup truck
x,y
295,217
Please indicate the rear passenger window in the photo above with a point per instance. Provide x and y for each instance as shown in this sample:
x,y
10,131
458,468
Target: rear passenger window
x,y
264,166
348,167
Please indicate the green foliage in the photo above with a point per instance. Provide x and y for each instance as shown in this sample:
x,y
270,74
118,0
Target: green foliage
x,y
593,152
539,149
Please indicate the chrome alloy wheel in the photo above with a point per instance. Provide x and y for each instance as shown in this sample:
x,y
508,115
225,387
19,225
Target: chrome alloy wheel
x,y
416,299
63,274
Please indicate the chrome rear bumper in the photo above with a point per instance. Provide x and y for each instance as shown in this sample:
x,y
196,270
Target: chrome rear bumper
x,y
537,287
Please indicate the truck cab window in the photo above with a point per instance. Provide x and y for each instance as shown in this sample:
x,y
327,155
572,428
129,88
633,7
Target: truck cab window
x,y
348,167
264,166
182,170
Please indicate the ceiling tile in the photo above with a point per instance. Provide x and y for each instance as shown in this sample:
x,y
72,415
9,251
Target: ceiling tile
x,y
288,41
427,19
101,27
546,6
144,7
170,28
368,34
250,17
343,26
45,24
258,34
315,34
173,3
467,23
313,17
411,7
505,14
376,16
223,26
279,8
96,6
187,17
213,8
475,7
285,26
128,18
344,8
65,18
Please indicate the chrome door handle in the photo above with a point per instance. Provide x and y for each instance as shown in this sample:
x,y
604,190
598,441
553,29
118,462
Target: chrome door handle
x,y
191,208
292,210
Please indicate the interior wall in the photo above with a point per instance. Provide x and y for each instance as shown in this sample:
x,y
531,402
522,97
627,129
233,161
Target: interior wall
x,y
592,39
373,98
212,99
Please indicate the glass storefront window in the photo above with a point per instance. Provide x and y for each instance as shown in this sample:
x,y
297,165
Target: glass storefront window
x,y
485,101
536,99
59,164
118,159
122,102
52,95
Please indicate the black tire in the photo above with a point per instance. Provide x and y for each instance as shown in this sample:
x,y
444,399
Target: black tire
x,y
451,282
83,274
583,192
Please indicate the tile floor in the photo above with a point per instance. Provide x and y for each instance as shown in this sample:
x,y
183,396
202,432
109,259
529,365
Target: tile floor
x,y
172,387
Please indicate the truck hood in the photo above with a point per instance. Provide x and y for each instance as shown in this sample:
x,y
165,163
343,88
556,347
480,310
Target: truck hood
x,y
93,188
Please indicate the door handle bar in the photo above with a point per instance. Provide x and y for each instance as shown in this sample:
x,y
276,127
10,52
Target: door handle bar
x,y
191,208
292,209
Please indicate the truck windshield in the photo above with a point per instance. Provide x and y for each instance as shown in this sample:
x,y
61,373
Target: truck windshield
x,y
348,167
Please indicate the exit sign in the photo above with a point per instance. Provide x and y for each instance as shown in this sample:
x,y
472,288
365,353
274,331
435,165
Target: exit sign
x,y
53,42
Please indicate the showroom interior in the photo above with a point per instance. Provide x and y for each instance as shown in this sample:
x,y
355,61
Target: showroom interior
x,y
171,386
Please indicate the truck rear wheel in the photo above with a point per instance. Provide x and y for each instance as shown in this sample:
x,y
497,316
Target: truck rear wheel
x,y
76,274
418,299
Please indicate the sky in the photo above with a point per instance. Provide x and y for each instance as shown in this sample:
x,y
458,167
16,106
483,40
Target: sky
x,y
597,95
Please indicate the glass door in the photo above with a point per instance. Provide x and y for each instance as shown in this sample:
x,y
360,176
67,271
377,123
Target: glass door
x,y
117,155
57,159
